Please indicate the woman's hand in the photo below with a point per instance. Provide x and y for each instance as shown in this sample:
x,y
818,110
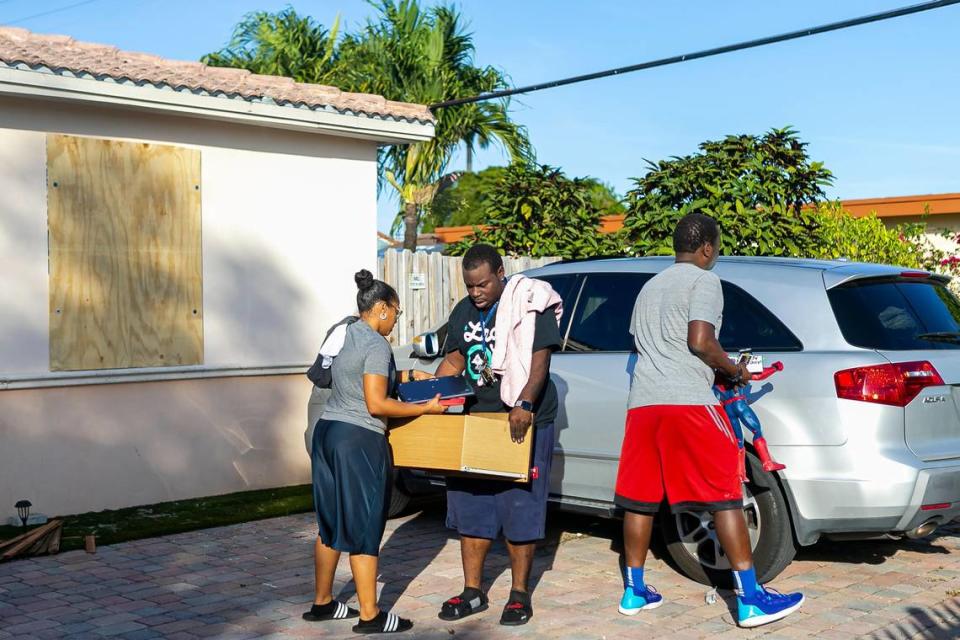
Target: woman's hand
x,y
422,375
434,407
383,406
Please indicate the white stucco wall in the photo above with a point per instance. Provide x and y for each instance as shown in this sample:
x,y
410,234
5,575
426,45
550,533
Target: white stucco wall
x,y
287,218
24,289
87,448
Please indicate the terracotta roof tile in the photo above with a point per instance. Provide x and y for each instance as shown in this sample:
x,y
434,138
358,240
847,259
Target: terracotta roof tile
x,y
63,54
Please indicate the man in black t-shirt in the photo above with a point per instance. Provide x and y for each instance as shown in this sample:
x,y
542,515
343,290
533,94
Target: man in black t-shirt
x,y
479,509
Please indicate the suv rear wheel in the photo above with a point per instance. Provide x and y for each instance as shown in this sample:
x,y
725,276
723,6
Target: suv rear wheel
x,y
692,540
399,497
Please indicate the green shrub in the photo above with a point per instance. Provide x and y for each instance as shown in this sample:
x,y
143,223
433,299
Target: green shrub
x,y
537,211
759,189
867,239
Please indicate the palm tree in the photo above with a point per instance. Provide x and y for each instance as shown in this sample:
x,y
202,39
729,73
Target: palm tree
x,y
427,57
405,54
281,44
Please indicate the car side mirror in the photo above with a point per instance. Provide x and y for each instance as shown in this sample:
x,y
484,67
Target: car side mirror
x,y
426,345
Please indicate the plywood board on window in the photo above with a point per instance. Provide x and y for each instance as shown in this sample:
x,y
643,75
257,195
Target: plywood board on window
x,y
125,254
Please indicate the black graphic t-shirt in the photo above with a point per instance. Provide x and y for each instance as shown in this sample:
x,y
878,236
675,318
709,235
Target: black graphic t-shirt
x,y
465,334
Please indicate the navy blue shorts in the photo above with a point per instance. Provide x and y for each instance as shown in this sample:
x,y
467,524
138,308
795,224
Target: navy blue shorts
x,y
352,477
481,508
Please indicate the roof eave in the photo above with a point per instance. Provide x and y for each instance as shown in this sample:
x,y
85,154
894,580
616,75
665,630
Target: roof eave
x,y
51,86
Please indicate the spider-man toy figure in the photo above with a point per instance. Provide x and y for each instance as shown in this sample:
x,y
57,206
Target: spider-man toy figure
x,y
735,404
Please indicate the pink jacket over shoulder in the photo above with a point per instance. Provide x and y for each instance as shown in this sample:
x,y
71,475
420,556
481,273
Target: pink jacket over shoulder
x,y
522,299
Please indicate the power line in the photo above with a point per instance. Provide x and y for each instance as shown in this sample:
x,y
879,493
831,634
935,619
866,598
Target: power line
x,y
58,10
706,53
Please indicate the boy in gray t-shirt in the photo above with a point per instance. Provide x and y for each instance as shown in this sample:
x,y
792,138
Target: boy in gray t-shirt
x,y
678,444
667,372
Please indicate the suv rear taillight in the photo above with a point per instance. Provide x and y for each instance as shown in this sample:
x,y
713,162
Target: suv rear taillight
x,y
894,384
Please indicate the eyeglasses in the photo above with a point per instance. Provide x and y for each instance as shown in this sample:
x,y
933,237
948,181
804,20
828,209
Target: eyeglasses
x,y
399,312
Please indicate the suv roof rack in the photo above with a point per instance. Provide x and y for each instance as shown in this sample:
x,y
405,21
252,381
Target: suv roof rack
x,y
600,259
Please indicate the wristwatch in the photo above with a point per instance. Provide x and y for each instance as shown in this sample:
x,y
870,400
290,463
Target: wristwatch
x,y
525,405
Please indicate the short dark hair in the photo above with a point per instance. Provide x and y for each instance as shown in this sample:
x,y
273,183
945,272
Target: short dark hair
x,y
370,291
693,231
482,253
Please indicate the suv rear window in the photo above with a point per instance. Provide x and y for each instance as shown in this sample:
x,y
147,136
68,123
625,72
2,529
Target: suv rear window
x,y
601,321
747,324
896,314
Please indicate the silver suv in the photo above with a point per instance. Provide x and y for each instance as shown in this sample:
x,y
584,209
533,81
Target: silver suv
x,y
865,414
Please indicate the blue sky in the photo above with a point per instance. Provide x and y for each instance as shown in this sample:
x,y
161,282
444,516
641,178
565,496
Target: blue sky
x,y
878,104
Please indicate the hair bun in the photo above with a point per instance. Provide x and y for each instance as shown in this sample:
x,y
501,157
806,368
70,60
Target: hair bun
x,y
364,280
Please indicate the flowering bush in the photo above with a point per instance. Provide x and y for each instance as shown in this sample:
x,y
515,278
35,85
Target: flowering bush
x,y
867,239
946,261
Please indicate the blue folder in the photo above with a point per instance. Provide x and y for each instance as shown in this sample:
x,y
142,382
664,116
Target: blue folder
x,y
448,387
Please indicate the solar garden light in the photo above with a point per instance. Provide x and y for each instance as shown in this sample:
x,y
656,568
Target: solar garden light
x,y
23,510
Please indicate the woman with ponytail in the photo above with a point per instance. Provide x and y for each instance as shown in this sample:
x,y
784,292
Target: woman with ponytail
x,y
352,473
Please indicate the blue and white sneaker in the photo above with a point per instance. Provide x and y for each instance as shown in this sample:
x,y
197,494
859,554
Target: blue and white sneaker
x,y
766,606
631,604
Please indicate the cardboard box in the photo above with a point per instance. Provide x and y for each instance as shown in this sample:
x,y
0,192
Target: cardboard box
x,y
476,444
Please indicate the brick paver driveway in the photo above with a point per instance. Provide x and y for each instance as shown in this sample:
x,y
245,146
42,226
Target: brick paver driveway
x,y
255,579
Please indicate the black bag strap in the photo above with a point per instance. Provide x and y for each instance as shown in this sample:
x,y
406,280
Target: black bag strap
x,y
316,373
348,321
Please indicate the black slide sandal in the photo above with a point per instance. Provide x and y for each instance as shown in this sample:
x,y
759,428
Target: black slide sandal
x,y
383,623
463,605
333,610
518,610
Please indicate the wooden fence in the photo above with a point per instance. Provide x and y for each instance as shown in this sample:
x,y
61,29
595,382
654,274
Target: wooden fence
x,y
429,285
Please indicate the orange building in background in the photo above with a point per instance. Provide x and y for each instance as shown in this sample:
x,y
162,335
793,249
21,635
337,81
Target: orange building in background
x,y
448,235
944,207
937,204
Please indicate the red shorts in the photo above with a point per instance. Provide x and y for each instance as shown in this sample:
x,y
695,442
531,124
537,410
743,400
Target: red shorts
x,y
689,453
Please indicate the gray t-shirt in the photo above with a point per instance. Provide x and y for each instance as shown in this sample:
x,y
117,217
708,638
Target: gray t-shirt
x,y
364,351
667,372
